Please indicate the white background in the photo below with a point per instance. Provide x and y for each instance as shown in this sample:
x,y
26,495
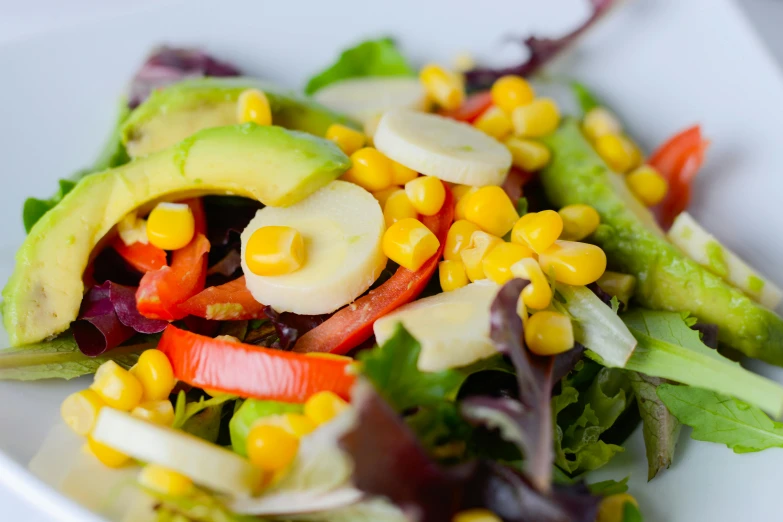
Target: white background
x,y
37,16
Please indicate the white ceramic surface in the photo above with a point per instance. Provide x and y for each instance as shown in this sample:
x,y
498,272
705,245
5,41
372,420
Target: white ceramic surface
x,y
662,64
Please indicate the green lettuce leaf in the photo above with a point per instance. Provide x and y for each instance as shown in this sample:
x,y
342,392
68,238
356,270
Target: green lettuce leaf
x,y
609,487
586,99
371,58
35,208
247,415
631,513
196,507
715,417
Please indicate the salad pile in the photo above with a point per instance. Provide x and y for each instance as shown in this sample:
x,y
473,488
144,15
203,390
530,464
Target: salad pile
x,y
426,296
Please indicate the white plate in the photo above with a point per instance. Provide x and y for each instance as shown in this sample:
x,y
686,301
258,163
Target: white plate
x,y
662,65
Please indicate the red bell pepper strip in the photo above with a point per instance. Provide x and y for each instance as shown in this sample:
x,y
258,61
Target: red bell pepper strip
x,y
252,371
678,160
229,302
472,108
352,325
143,258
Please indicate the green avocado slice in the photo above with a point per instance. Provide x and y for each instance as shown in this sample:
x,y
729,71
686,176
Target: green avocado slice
x,y
667,279
276,166
174,113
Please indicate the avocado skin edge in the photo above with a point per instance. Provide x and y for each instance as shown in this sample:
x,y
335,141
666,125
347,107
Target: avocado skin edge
x,y
666,278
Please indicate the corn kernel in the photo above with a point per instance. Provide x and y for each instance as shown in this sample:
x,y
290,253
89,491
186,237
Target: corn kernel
x,y
538,230
612,508
327,355
491,209
600,122
157,412
348,139
510,92
164,480
106,455
443,87
170,226
271,448
426,194
497,263
383,195
647,185
370,169
117,387
253,106
398,207
476,515
573,263
463,62
494,122
579,221
549,333
458,238
154,372
536,119
528,155
618,285
473,256
324,406
617,151
462,193
275,250
297,424
538,294
80,410
409,243
402,174
452,275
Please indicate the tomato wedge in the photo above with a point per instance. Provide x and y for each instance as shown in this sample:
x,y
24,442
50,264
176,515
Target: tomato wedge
x,y
472,108
143,258
252,371
352,325
228,302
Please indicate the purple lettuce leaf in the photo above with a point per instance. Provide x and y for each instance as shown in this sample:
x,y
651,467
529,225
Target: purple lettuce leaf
x,y
541,50
709,334
290,327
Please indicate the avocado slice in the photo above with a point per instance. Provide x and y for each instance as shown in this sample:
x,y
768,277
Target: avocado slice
x,y
276,166
666,278
174,113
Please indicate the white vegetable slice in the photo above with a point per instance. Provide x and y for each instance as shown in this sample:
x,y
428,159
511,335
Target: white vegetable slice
x,y
342,226
206,464
367,98
441,147
452,327
702,247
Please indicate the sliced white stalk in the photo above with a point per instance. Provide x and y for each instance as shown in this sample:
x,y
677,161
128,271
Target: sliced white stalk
x,y
367,98
452,327
441,147
702,247
206,464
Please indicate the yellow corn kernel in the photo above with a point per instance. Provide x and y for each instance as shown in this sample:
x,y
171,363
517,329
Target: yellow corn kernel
x,y
324,406
426,194
402,174
443,87
491,209
600,122
170,226
164,480
463,62
579,221
275,250
510,92
473,256
327,355
497,263
538,294
549,333
536,119
618,285
370,169
647,185
398,207
612,508
476,515
117,387
452,275
107,456
271,448
297,424
538,230
573,263
458,238
462,193
409,243
617,151
383,195
528,155
157,412
494,122
80,410
154,372
253,106
348,139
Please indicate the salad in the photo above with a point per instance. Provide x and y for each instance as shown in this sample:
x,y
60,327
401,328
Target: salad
x,y
430,295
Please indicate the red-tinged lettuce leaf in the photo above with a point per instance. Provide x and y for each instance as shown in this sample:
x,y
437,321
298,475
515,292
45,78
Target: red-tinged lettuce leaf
x,y
290,327
541,50
708,333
